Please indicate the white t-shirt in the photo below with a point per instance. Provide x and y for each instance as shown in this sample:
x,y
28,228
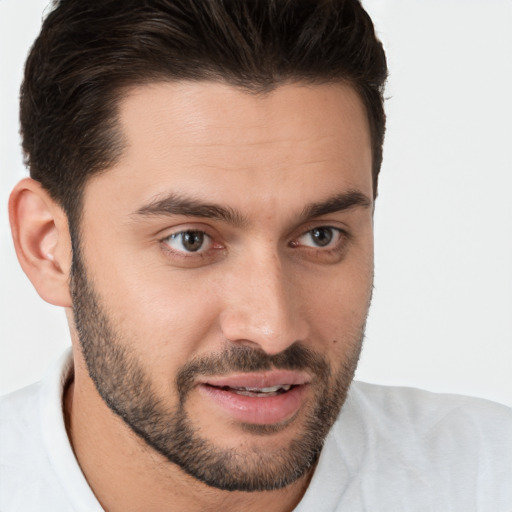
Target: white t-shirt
x,y
391,450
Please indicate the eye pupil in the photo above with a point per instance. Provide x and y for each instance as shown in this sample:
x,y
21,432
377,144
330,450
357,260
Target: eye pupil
x,y
192,240
322,236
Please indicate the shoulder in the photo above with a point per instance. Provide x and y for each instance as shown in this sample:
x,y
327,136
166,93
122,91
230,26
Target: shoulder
x,y
38,470
408,444
24,465
426,410
424,420
19,417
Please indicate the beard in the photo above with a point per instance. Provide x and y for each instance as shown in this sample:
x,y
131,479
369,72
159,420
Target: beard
x,y
127,389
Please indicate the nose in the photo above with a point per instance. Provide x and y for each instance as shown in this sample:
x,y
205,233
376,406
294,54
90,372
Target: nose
x,y
262,306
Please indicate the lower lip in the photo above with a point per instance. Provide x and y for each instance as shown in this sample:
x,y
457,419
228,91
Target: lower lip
x,y
257,410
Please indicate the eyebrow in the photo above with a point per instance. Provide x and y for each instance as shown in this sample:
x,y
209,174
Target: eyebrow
x,y
337,203
175,204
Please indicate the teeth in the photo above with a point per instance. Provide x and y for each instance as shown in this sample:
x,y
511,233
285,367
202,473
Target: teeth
x,y
272,389
284,387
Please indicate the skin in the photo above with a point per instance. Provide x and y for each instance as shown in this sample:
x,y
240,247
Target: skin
x,y
261,282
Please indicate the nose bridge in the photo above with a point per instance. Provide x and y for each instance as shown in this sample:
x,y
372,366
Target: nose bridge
x,y
263,309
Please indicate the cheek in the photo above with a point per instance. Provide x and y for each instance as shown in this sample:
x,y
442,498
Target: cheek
x,y
342,322
164,316
338,308
343,289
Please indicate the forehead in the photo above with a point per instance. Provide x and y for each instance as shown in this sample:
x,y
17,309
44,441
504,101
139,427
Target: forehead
x,y
205,114
217,138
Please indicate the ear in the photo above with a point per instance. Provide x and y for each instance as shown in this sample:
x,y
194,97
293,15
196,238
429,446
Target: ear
x,y
41,238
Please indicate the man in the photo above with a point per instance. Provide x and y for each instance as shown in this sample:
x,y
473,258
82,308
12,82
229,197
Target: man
x,y
203,178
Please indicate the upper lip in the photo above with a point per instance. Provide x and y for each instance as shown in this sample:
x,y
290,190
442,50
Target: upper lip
x,y
258,380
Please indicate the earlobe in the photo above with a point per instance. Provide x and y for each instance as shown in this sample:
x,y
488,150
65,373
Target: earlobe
x,y
41,238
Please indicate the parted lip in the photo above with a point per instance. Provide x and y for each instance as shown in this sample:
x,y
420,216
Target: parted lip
x,y
258,380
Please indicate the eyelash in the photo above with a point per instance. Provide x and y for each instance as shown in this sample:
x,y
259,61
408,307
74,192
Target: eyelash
x,y
337,247
200,253
339,232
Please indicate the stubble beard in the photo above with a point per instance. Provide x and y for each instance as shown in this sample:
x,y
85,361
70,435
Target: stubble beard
x,y
127,390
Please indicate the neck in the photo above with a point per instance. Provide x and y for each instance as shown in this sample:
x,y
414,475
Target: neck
x,y
127,475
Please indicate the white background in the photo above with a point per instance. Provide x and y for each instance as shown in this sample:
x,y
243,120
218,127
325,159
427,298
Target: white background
x,y
442,311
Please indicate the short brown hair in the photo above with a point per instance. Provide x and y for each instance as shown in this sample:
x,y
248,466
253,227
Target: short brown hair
x,y
89,51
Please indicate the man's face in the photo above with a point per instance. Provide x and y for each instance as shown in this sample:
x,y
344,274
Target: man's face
x,y
225,273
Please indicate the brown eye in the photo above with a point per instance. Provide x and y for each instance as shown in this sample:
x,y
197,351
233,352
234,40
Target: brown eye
x,y
323,236
189,241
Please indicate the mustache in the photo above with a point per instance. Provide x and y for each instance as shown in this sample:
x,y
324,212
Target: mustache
x,y
247,359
